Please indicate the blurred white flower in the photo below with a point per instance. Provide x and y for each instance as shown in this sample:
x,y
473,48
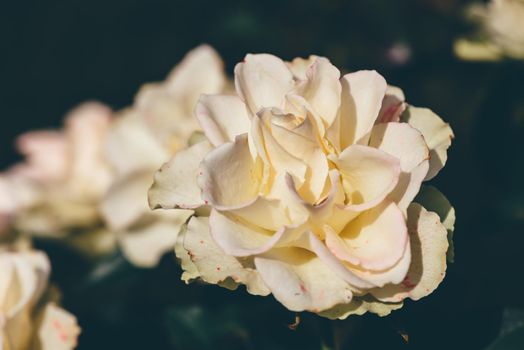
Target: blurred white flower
x,y
145,136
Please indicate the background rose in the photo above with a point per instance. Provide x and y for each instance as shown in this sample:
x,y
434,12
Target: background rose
x,y
29,318
145,136
310,198
499,34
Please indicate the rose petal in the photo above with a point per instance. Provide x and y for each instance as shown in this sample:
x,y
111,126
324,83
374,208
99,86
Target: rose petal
x,y
359,306
322,89
375,240
175,184
362,94
130,146
301,281
262,80
126,200
200,72
393,105
222,117
436,132
368,175
57,329
242,239
406,143
299,66
428,264
144,246
214,266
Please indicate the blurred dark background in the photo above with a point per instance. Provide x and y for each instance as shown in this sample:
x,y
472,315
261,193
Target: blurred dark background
x,y
56,54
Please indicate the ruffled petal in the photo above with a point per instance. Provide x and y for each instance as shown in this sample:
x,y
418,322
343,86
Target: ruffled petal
x,y
322,89
375,240
301,281
393,105
362,94
408,145
262,80
368,175
429,244
57,329
175,184
144,246
436,132
222,117
215,266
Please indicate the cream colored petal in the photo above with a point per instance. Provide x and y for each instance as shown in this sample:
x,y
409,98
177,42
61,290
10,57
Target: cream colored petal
x,y
222,117
215,266
375,240
322,89
131,146
433,200
57,329
262,80
311,242
368,175
436,132
126,200
190,270
144,246
239,238
87,129
175,184
408,145
46,154
299,66
362,94
301,281
200,72
428,264
393,105
229,176
359,306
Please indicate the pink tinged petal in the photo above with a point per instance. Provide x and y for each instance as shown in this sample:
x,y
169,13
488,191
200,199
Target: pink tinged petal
x,y
408,145
213,264
393,105
175,184
313,126
46,154
262,80
222,117
145,245
362,94
126,200
229,176
375,240
87,127
239,238
200,72
57,329
301,281
322,89
429,244
436,132
368,175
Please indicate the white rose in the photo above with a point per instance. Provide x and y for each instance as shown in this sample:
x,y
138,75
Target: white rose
x,y
310,181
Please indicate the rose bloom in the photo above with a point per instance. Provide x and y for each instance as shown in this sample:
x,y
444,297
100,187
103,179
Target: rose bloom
x,y
58,187
29,318
144,137
304,189
500,33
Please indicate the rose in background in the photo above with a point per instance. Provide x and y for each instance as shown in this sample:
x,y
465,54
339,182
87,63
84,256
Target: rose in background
x,y
500,33
55,192
144,137
29,315
304,189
